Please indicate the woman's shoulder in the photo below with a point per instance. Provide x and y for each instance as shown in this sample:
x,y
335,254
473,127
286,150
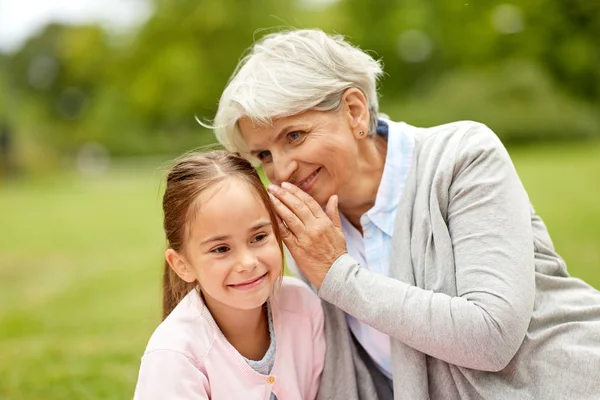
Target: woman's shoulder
x,y
454,143
296,296
456,130
460,133
184,331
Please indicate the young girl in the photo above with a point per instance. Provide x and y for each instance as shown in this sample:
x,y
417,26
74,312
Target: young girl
x,y
233,328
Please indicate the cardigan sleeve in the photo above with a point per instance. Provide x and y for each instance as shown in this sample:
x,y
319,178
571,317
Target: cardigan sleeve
x,y
166,374
489,225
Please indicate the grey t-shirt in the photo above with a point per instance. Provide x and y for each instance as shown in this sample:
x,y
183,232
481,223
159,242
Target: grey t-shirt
x,y
265,365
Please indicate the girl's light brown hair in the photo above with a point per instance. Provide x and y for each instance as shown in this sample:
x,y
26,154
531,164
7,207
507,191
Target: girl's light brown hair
x,y
187,179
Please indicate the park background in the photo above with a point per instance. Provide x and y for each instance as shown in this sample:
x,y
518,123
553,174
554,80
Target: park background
x,y
91,114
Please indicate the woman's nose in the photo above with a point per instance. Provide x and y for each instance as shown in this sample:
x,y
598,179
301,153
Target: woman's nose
x,y
282,170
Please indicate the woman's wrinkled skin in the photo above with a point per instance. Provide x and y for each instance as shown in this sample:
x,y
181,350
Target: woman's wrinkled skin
x,y
318,160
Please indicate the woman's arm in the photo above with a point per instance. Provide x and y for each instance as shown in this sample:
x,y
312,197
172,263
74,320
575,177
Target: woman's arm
x,y
490,229
166,374
489,224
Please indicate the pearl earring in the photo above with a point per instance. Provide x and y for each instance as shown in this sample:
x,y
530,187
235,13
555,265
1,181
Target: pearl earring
x,y
361,132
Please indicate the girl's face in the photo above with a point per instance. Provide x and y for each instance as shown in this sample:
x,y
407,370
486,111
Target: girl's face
x,y
231,249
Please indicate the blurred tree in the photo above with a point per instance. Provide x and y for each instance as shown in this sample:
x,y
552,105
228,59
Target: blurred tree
x,y
531,75
450,60
181,60
572,44
58,73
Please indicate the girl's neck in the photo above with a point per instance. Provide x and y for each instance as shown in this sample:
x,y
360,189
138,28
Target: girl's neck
x,y
246,330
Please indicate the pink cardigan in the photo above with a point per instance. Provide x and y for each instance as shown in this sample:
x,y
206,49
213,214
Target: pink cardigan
x,y
189,358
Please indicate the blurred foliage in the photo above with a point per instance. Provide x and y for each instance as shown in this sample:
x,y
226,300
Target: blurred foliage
x,y
79,291
530,75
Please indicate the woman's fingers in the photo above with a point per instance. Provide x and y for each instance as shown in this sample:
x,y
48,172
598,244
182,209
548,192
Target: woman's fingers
x,y
292,222
314,242
333,213
286,234
293,203
307,199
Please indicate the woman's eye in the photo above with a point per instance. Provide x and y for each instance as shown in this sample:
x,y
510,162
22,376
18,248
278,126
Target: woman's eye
x,y
264,155
260,237
220,250
294,136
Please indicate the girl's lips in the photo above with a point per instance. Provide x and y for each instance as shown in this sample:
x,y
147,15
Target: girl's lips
x,y
250,284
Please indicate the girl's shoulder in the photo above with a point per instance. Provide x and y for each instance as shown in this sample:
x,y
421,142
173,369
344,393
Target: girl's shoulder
x,y
296,296
186,330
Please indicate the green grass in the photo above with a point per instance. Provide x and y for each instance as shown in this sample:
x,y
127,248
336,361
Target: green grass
x,y
563,182
80,264
79,283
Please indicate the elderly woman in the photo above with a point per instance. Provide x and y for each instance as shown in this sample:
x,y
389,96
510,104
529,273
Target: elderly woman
x,y
439,280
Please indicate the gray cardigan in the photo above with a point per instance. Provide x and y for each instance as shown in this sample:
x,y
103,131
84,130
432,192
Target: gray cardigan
x,y
478,304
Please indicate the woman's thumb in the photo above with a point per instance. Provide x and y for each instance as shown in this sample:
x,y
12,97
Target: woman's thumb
x,y
332,211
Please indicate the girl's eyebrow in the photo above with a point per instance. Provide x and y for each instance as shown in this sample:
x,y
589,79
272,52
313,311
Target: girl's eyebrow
x,y
260,225
215,239
257,226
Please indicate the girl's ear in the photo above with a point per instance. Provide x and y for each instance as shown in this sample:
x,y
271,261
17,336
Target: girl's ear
x,y
180,266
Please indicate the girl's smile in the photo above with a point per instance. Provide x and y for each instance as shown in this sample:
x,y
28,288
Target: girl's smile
x,y
250,283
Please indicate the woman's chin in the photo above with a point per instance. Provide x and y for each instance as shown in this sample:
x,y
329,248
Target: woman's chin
x,y
322,198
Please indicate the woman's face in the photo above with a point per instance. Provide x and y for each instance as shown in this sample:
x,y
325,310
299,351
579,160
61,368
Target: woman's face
x,y
314,150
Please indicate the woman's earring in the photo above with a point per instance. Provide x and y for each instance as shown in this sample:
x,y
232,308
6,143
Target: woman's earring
x,y
361,132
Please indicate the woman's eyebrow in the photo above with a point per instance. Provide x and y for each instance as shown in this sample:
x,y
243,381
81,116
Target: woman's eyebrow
x,y
281,133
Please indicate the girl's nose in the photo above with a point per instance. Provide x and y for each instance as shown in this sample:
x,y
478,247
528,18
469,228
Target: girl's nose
x,y
247,261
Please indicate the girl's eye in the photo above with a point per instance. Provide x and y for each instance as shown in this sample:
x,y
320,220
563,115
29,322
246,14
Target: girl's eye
x,y
259,238
220,250
264,156
294,136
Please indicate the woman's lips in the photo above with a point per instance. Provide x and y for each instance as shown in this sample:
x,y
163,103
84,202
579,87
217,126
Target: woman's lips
x,y
250,284
307,183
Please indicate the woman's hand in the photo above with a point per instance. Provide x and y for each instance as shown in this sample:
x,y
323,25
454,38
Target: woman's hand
x,y
313,237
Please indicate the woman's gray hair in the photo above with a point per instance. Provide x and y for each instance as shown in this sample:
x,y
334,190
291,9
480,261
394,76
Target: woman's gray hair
x,y
287,73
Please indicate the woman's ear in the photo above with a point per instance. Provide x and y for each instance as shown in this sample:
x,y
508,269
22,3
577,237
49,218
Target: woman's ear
x,y
357,111
180,266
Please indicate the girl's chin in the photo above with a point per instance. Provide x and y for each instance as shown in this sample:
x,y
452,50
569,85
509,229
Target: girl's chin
x,y
250,301
252,305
